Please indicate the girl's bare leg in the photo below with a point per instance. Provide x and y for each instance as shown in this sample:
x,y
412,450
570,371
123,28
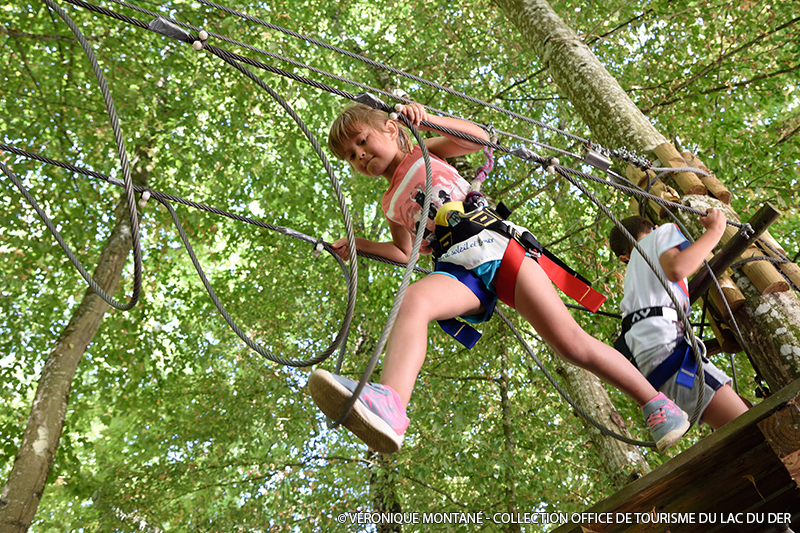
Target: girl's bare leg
x,y
723,407
436,297
538,302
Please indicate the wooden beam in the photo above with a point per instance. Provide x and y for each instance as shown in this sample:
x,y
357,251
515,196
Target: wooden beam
x,y
687,182
658,188
782,432
763,274
714,186
790,270
732,250
733,470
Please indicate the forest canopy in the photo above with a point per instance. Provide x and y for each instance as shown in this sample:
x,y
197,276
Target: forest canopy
x,y
172,422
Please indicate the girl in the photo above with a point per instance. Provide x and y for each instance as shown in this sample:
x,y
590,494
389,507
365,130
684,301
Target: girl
x,y
377,146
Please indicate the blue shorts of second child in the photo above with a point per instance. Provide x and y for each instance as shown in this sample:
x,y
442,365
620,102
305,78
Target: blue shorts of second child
x,y
684,397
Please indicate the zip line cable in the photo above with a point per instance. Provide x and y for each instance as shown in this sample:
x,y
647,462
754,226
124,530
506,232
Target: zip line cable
x,y
330,75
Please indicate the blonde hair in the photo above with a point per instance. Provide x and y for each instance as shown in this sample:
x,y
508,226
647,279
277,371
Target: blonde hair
x,y
353,118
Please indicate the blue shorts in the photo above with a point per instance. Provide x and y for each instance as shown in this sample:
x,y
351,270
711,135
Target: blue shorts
x,y
480,280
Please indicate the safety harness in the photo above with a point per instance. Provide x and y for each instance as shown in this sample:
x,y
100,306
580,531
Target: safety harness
x,y
681,360
458,221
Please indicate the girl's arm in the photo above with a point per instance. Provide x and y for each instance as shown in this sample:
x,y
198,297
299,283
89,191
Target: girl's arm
x,y
679,264
398,250
446,145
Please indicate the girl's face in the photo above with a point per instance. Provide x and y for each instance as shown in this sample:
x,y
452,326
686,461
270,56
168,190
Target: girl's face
x,y
374,152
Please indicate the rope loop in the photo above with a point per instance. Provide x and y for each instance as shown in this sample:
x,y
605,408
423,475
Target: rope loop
x,y
488,151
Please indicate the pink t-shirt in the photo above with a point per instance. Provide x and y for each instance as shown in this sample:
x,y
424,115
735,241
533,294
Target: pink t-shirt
x,y
402,203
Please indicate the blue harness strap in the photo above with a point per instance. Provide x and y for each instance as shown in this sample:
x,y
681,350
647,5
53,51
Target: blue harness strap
x,y
461,331
681,361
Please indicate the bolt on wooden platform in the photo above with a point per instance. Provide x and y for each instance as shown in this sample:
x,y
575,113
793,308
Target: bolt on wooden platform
x,y
751,465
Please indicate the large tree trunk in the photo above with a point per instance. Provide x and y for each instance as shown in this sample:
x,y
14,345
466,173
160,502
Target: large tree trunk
x,y
622,462
768,322
509,442
25,486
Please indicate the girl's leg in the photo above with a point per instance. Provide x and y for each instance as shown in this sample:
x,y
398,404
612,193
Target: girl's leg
x,y
435,297
723,407
538,302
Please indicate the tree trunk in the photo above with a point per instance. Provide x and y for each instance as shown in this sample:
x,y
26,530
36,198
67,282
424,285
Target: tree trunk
x,y
509,443
768,322
26,481
623,462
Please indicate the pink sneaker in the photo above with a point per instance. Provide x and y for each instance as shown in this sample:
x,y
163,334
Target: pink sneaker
x,y
377,418
667,421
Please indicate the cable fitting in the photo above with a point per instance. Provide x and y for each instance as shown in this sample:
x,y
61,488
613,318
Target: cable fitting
x,y
596,159
173,31
199,45
492,133
549,165
746,231
371,100
525,154
394,115
145,198
318,247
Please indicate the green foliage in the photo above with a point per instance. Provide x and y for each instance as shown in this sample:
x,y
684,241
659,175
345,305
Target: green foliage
x,y
173,425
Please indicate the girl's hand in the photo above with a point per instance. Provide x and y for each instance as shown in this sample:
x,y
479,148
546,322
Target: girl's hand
x,y
341,248
415,113
714,220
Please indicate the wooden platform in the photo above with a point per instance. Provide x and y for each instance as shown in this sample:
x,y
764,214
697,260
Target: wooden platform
x,y
751,465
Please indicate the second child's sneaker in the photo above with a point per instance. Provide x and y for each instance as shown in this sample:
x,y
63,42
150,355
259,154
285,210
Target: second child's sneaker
x,y
667,421
377,417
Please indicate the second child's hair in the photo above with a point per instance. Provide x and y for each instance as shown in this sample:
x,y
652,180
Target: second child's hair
x,y
355,116
619,242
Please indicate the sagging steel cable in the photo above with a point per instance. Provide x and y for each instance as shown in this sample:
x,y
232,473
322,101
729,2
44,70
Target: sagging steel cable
x,y
126,173
166,200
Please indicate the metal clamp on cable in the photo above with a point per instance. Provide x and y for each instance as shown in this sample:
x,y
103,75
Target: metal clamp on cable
x,y
596,159
525,154
492,133
165,27
371,100
746,231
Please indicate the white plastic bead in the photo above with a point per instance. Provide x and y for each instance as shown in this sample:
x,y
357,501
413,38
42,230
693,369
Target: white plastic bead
x,y
394,116
398,107
197,45
203,35
145,198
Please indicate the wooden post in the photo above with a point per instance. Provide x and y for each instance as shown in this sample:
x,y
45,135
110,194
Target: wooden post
x,y
723,333
732,249
714,186
781,433
687,182
790,270
763,274
658,188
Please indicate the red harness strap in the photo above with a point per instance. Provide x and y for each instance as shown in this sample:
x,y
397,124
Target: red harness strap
x,y
508,271
569,284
